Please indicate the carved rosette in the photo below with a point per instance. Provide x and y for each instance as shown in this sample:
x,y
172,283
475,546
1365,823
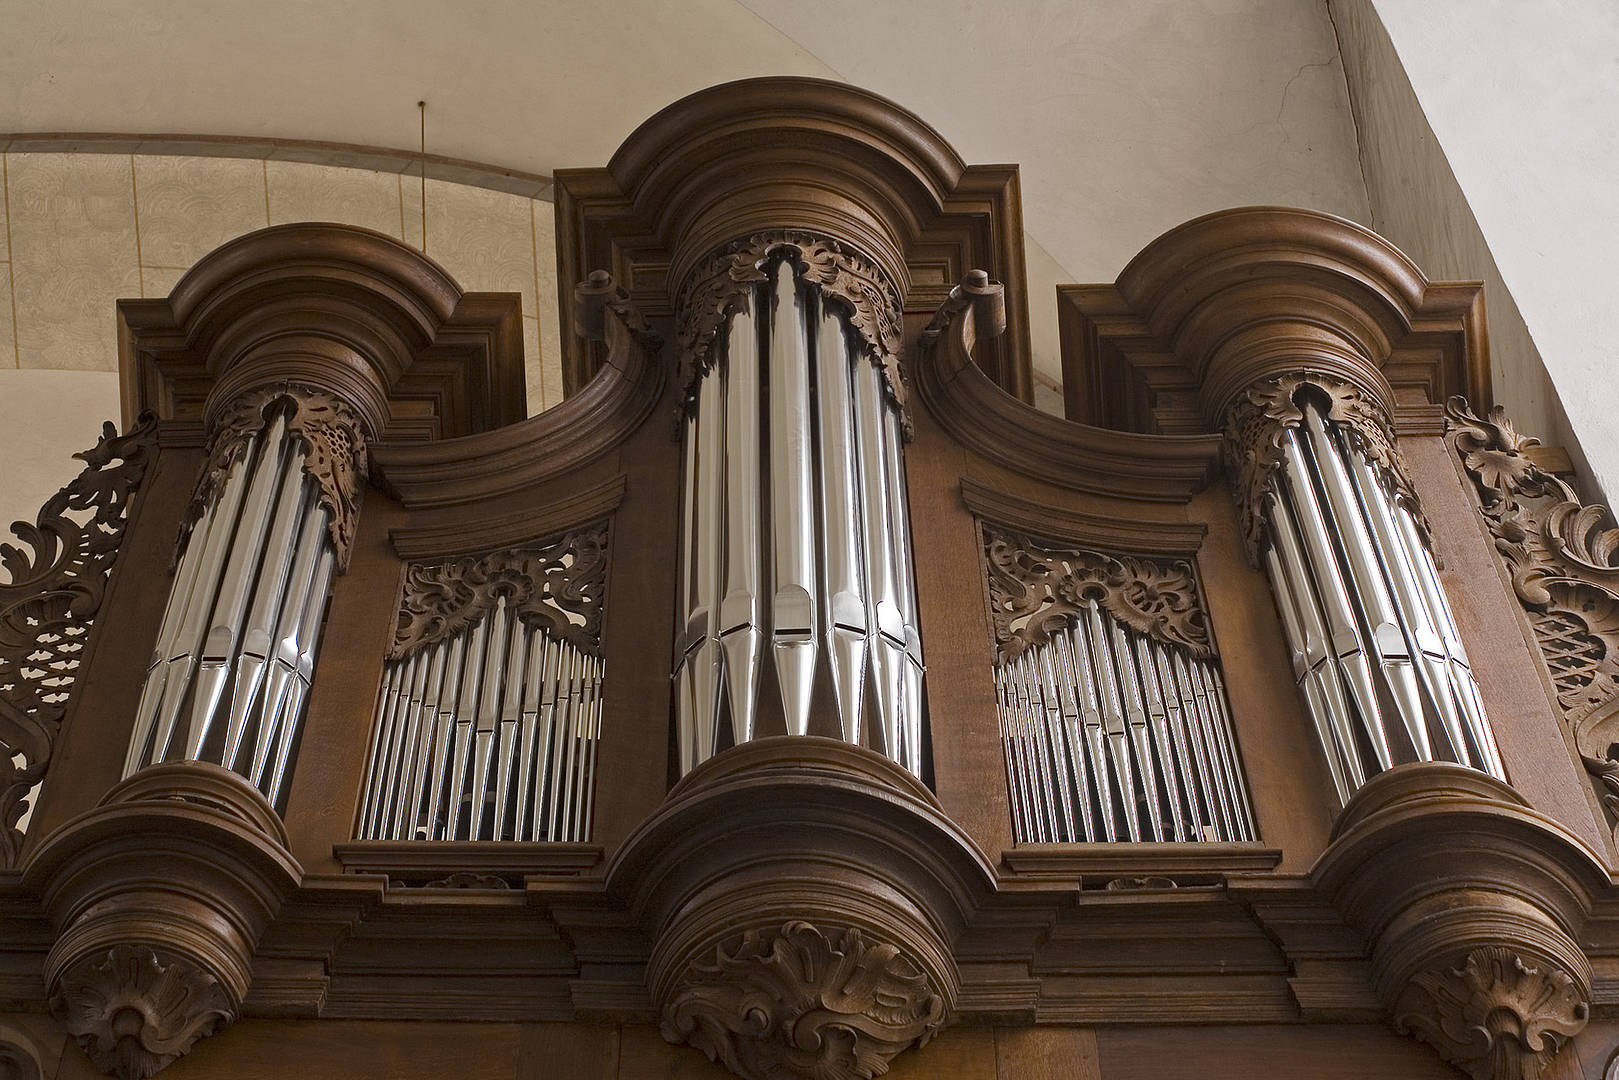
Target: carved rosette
x,y
159,896
1257,424
802,1000
1474,942
334,442
49,605
1494,1017
803,896
1036,587
714,292
1563,560
557,586
133,1011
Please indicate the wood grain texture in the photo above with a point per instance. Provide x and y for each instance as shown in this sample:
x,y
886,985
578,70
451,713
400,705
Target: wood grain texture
x,y
1318,1052
1046,1053
574,1051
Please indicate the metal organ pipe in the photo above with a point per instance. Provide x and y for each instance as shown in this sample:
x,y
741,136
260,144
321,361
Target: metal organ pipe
x,y
230,673
1375,649
795,531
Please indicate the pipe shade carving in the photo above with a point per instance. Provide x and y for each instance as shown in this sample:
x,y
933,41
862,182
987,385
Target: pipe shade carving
x,y
49,604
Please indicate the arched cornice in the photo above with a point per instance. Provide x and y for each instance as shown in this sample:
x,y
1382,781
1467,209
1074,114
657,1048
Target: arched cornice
x,y
1019,437
1216,304
347,310
809,156
588,424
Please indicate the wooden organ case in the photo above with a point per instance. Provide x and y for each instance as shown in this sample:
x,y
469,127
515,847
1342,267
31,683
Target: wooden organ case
x,y
795,699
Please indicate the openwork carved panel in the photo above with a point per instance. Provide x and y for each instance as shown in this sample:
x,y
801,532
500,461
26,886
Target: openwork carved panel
x,y
334,442
1495,1017
1257,426
1563,559
1036,587
715,291
557,586
48,608
805,1002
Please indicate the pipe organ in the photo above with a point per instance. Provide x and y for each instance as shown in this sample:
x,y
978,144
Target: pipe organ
x,y
1242,702
235,655
795,546
1375,649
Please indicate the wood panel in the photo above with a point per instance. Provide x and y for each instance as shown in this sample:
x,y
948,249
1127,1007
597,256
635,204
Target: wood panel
x,y
1046,1053
1324,1052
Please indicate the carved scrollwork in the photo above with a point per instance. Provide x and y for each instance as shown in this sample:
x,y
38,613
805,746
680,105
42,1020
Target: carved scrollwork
x,y
48,608
1495,1017
715,291
557,586
334,442
1561,558
133,1011
1257,425
804,1002
1036,587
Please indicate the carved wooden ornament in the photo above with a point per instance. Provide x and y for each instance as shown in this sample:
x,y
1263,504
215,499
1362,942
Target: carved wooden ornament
x,y
715,290
48,608
1036,587
334,441
557,586
803,1001
1257,425
1495,1017
1561,557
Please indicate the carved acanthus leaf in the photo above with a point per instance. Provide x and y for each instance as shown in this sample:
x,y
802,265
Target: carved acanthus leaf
x,y
1036,587
133,1011
557,585
716,290
1495,1017
1560,556
1257,426
334,444
49,605
805,1002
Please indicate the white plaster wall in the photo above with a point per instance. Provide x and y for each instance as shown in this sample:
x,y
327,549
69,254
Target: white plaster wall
x,y
1524,100
1417,203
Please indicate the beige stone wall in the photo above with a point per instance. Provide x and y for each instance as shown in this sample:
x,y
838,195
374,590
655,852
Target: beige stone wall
x,y
79,231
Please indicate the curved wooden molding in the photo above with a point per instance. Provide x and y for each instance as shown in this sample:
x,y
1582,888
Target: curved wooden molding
x,y
803,897
1223,301
159,896
1137,535
48,608
1021,438
352,312
560,440
474,534
778,153
1475,942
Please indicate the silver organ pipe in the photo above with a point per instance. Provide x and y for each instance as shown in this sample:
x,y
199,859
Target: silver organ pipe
x,y
489,731
235,654
1111,735
1375,650
795,532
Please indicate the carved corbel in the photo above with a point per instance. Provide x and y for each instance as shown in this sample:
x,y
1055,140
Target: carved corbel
x,y
1475,941
715,290
1257,425
159,896
1563,560
334,442
48,608
803,897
